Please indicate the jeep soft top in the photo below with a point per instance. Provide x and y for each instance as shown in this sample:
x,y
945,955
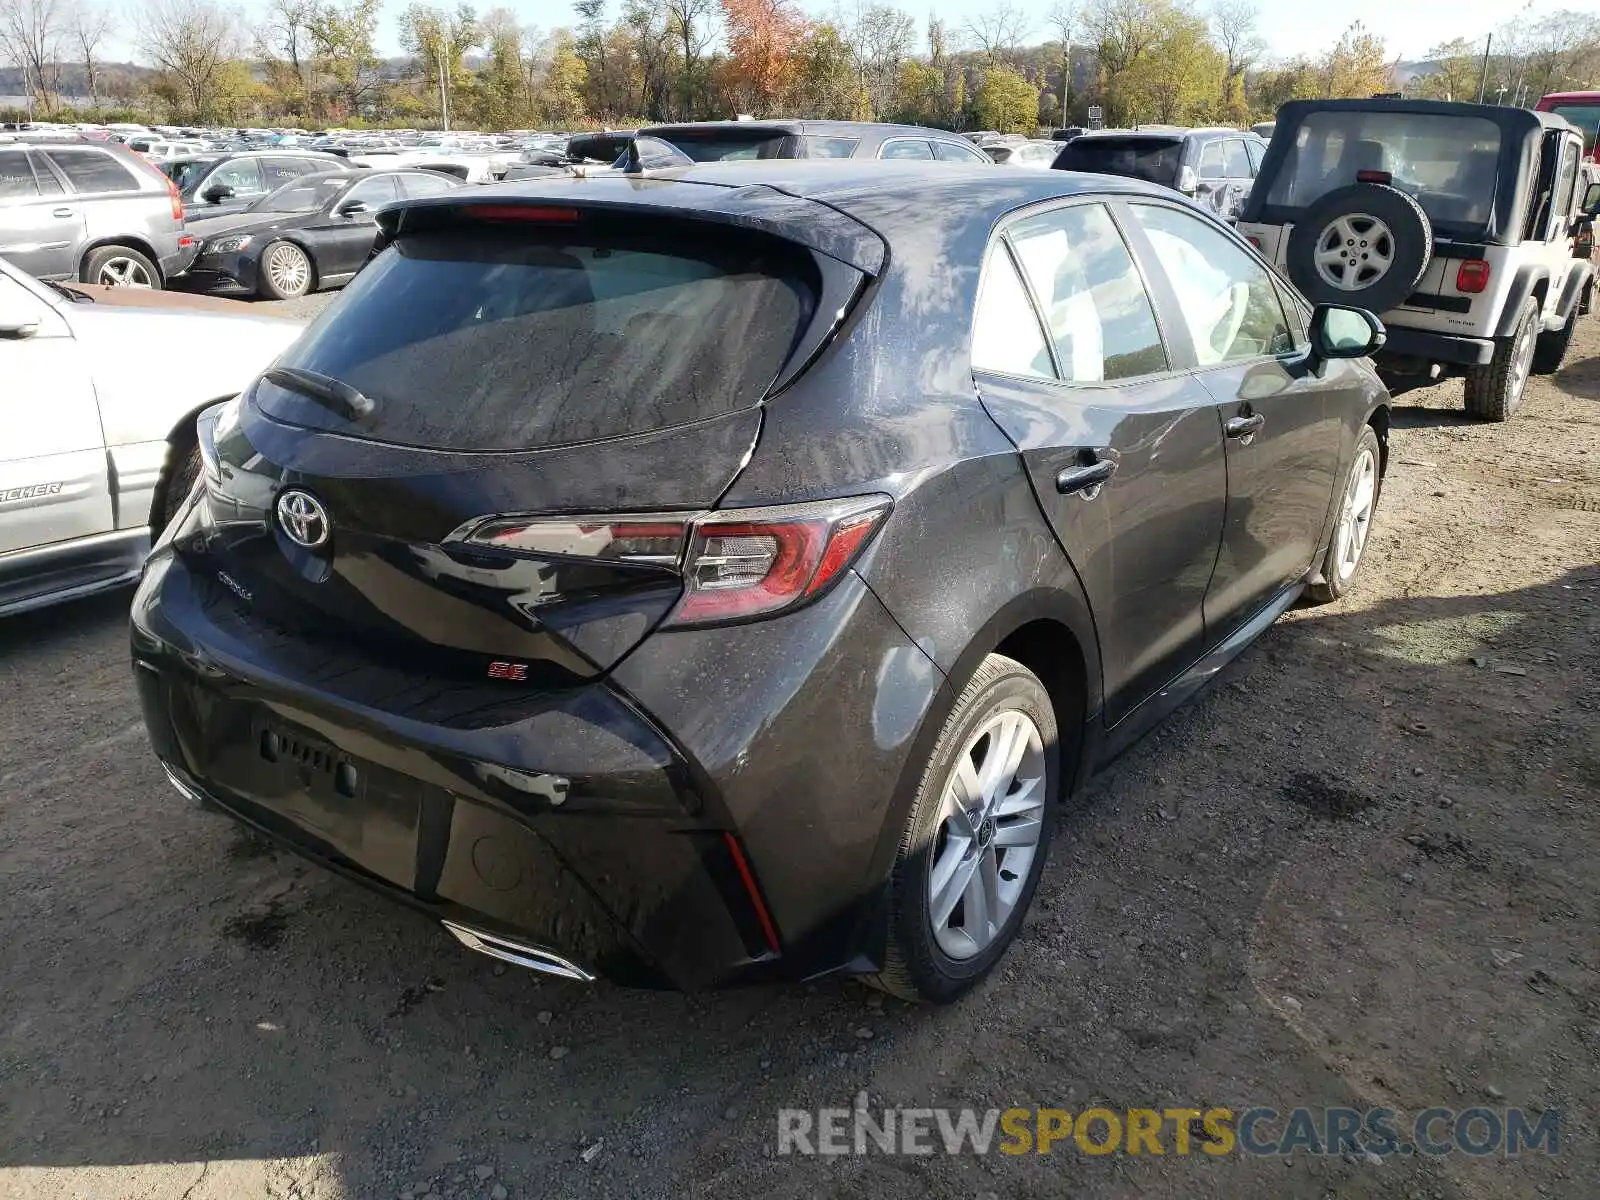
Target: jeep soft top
x,y
1491,147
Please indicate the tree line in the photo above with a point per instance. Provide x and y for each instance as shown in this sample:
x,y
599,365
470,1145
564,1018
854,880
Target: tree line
x,y
620,63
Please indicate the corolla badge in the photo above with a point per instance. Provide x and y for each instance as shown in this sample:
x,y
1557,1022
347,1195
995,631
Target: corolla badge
x,y
303,519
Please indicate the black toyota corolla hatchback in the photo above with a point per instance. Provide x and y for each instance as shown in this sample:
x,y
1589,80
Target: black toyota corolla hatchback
x,y
713,576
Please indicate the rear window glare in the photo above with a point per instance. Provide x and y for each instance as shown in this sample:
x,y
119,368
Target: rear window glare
x,y
518,339
729,147
1155,160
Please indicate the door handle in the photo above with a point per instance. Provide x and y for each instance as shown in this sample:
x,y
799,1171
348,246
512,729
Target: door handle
x,y
1244,428
1087,479
61,212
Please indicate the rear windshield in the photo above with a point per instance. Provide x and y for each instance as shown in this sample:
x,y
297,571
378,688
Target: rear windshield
x,y
1154,160
495,341
1449,163
727,147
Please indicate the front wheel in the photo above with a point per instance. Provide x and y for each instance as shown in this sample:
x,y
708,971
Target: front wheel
x,y
286,271
1358,504
1494,390
974,844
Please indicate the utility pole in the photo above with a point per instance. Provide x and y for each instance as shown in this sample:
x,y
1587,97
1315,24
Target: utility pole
x,y
1066,78
1483,77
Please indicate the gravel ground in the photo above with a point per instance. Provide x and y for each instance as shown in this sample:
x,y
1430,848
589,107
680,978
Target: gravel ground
x,y
1361,870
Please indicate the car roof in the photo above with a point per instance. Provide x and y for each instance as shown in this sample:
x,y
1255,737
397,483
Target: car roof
x,y
1515,120
888,198
836,128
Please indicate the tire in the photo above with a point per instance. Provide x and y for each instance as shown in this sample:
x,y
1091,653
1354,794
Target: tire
x,y
1375,277
1358,504
120,266
933,962
185,469
294,275
1551,349
1494,391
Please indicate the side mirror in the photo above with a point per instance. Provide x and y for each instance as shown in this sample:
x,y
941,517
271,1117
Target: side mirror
x,y
1591,200
1341,332
352,209
216,193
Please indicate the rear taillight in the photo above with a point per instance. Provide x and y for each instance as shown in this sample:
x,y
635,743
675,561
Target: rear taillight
x,y
1472,276
177,200
1383,177
1253,240
736,564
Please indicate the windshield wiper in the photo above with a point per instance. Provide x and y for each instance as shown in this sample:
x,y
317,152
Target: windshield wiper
x,y
75,296
325,389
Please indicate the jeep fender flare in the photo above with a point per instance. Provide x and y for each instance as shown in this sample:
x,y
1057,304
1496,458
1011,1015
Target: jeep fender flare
x,y
1522,284
1579,278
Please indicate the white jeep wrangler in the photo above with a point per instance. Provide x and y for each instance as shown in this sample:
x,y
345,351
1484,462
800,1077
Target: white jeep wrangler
x,y
1456,223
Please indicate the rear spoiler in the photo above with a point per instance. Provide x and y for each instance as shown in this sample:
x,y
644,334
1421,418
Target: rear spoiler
x,y
760,207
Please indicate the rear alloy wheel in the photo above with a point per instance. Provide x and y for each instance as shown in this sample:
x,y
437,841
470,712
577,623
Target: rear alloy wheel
x,y
285,271
1494,391
1357,507
120,266
975,842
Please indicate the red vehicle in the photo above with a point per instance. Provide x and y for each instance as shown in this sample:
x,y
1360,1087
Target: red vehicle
x,y
1581,108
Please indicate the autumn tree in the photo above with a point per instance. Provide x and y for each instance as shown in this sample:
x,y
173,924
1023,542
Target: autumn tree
x,y
879,37
1355,67
998,29
283,46
1234,25
91,26
1455,72
1178,80
34,36
438,40
1006,101
191,42
692,24
763,39
342,38
825,83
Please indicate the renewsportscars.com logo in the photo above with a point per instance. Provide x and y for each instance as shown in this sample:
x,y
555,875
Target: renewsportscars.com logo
x,y
1373,1132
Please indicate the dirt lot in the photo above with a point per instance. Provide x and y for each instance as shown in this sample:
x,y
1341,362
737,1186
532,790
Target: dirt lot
x,y
1361,871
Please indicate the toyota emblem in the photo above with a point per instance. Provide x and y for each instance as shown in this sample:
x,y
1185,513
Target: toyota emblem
x,y
303,518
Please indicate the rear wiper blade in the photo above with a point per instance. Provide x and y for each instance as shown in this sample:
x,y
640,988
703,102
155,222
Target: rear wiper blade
x,y
331,392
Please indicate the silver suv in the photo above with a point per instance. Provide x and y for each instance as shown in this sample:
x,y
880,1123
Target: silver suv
x,y
94,213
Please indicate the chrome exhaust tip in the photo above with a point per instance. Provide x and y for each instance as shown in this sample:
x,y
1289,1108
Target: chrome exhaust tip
x,y
532,957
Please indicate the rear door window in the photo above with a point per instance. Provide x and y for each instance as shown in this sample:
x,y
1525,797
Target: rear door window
x,y
956,152
243,175
816,146
91,171
1211,161
468,341
1235,162
1094,301
1006,335
905,148
418,184
16,176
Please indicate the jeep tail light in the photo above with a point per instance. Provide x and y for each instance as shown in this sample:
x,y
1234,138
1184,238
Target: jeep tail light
x,y
1253,240
1383,177
736,563
1472,276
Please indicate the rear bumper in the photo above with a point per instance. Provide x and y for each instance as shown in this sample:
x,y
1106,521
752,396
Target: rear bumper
x,y
1435,347
651,828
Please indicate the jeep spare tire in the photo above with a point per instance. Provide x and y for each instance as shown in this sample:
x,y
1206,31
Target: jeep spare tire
x,y
1365,245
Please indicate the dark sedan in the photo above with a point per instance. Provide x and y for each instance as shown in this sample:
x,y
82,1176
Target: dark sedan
x,y
313,233
716,575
